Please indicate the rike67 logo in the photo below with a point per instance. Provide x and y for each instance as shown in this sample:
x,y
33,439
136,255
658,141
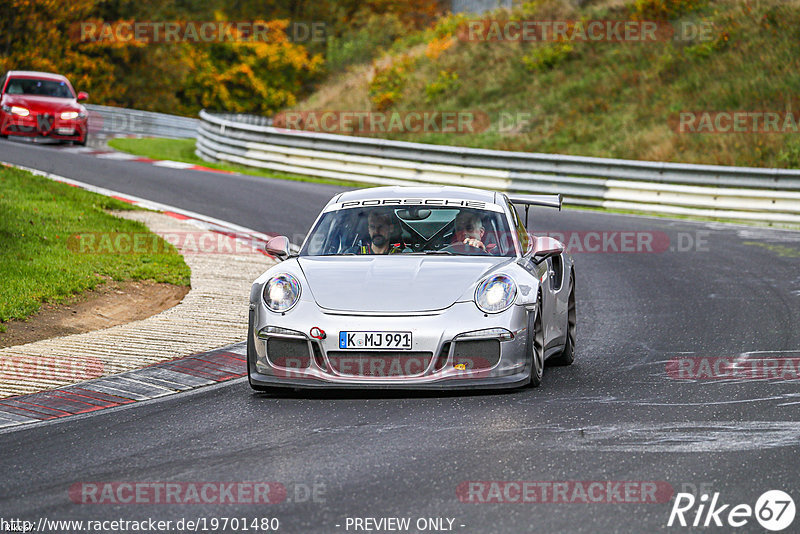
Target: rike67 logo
x,y
774,510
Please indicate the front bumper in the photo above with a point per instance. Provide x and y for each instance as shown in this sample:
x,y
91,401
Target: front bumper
x,y
441,357
52,127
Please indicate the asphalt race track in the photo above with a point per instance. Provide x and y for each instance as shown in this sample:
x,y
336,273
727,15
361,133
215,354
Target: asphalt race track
x,y
618,414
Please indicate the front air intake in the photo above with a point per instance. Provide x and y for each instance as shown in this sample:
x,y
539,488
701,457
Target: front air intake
x,y
477,354
288,353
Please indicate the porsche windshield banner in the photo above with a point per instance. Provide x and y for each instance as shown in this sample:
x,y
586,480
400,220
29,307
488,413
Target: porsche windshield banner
x,y
432,202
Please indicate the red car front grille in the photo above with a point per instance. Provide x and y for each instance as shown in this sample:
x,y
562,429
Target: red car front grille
x,y
45,122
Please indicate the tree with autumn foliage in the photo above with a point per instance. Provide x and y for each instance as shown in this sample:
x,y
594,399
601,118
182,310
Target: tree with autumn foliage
x,y
181,78
33,38
253,77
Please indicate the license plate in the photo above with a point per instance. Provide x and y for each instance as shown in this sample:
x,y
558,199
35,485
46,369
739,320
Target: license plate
x,y
375,340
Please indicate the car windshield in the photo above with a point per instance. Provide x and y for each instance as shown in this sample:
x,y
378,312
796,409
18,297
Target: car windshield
x,y
32,86
410,230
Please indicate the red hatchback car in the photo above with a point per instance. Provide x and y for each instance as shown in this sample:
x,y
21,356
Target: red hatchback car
x,y
43,104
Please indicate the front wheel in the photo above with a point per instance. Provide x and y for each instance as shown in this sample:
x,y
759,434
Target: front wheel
x,y
567,356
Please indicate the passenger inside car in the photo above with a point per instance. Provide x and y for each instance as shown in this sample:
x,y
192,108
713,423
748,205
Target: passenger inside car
x,y
470,231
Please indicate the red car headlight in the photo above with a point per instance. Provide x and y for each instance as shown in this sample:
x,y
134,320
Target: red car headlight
x,y
16,110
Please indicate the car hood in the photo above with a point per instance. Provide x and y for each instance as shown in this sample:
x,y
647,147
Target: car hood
x,y
395,284
42,104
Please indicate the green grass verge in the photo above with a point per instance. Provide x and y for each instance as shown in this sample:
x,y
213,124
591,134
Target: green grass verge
x,y
38,260
183,150
157,148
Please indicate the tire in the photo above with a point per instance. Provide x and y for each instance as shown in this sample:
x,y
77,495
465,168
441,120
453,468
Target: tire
x,y
83,141
567,356
535,346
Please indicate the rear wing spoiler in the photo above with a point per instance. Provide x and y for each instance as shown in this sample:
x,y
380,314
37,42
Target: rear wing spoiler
x,y
548,201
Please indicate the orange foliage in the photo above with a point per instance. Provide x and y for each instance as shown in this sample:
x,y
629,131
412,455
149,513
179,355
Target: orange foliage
x,y
414,13
182,78
437,46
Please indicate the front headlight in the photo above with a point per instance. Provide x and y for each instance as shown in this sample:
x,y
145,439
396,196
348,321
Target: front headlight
x,y
69,115
496,294
17,110
281,292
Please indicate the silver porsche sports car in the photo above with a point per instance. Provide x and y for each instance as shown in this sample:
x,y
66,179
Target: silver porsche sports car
x,y
414,287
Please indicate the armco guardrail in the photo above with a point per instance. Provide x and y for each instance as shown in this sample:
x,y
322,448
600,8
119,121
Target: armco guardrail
x,y
109,120
744,193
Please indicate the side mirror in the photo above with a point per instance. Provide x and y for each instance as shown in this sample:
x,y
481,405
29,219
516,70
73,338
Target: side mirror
x,y
278,247
83,95
546,247
531,248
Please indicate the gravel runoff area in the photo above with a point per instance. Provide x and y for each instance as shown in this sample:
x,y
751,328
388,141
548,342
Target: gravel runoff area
x,y
213,314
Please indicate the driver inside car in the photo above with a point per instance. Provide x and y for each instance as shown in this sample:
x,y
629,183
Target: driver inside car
x,y
469,230
382,226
